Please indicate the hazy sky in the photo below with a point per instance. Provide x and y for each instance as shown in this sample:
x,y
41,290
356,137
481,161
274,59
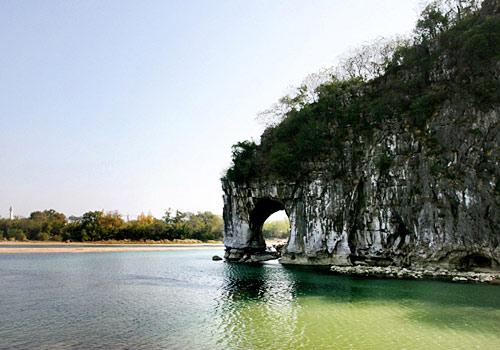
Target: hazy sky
x,y
134,105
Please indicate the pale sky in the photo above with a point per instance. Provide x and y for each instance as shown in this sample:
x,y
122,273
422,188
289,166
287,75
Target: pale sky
x,y
134,105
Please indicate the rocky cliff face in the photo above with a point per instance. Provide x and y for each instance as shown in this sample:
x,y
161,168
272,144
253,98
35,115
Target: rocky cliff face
x,y
402,196
431,203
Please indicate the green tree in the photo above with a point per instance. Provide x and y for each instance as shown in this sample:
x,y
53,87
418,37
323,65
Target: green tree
x,y
49,222
432,21
43,236
91,226
205,226
16,233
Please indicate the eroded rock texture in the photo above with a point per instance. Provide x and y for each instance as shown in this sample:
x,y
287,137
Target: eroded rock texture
x,y
403,198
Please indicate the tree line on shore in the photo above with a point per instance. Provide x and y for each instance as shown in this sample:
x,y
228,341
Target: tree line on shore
x,y
50,225
99,225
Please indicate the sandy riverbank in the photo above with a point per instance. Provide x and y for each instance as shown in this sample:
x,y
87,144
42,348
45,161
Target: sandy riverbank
x,y
13,247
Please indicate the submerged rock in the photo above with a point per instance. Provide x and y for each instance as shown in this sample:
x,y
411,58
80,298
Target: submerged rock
x,y
216,258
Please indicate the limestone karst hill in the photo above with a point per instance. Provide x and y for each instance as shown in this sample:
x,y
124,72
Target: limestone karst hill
x,y
400,168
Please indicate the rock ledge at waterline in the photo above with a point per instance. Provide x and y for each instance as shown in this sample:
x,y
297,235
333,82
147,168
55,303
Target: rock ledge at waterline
x,y
418,273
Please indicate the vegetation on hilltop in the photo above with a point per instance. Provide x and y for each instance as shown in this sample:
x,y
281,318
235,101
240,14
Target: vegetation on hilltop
x,y
453,56
98,226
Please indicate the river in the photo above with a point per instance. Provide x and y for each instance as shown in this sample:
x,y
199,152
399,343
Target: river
x,y
184,300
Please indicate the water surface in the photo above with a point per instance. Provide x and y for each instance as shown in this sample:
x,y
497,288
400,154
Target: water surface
x,y
183,300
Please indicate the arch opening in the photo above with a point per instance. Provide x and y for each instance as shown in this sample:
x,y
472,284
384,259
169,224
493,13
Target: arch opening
x,y
263,228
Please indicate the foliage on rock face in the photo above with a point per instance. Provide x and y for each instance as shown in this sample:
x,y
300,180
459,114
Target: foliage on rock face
x,y
453,57
243,154
97,226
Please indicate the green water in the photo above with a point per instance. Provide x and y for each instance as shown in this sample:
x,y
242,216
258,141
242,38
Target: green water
x,y
303,308
183,300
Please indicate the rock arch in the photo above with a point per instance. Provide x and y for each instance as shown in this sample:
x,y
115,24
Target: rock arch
x,y
247,206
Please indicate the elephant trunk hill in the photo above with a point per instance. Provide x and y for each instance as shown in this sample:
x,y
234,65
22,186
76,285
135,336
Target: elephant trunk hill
x,y
401,169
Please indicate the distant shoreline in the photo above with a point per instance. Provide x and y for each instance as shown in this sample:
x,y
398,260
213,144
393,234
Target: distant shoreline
x,y
26,247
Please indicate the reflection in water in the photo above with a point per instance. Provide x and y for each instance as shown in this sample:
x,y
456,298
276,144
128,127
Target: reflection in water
x,y
275,307
256,307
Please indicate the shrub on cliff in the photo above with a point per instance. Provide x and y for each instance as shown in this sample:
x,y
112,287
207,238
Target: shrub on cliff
x,y
244,162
